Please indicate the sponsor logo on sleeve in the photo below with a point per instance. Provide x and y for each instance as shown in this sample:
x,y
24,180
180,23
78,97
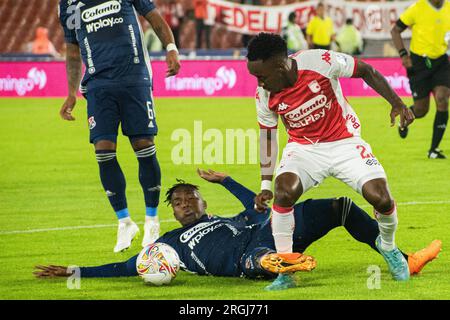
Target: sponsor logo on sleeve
x,y
327,57
341,59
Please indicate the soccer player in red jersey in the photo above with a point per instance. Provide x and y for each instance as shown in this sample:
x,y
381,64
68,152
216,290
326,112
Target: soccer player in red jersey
x,y
324,138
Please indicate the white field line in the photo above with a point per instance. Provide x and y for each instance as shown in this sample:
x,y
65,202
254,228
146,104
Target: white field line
x,y
98,226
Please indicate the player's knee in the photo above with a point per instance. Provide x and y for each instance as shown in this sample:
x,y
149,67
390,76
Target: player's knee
x,y
442,101
382,201
104,145
285,196
141,143
420,111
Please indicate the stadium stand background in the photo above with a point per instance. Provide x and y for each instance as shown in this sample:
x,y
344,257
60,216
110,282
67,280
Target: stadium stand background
x,y
20,18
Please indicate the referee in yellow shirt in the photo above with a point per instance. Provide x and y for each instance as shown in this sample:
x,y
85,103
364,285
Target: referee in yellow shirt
x,y
427,63
320,31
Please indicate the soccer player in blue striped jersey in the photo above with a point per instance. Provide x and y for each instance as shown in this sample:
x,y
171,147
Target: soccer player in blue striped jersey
x,y
238,245
107,37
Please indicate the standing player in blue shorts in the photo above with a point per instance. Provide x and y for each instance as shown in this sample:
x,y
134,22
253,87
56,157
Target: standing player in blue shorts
x,y
107,37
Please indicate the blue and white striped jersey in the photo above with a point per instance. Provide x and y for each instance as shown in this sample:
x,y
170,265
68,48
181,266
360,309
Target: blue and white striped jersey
x,y
110,38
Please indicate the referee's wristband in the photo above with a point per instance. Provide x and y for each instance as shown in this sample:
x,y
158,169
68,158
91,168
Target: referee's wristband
x,y
266,185
402,52
171,47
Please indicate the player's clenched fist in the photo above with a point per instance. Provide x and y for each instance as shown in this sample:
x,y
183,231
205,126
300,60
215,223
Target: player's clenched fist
x,y
262,199
67,107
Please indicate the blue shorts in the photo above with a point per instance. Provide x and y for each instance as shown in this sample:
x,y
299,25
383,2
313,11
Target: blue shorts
x,y
131,107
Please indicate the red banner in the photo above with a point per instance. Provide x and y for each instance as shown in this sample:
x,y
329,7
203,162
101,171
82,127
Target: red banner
x,y
374,20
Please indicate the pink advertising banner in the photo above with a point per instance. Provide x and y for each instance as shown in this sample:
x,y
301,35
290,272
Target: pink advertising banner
x,y
228,78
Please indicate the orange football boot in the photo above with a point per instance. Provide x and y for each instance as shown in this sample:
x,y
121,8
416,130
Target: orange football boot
x,y
418,260
287,262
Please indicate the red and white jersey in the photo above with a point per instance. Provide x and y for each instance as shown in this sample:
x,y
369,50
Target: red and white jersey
x,y
314,109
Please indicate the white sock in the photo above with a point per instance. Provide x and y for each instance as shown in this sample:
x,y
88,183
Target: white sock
x,y
152,219
126,220
283,229
387,223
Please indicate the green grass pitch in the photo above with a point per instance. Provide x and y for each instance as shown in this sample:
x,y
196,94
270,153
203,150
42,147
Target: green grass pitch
x,y
49,184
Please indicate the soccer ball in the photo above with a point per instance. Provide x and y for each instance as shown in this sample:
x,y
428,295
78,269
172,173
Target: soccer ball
x,y
158,264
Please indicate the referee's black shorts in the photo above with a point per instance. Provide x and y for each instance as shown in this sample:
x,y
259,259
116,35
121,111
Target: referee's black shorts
x,y
422,79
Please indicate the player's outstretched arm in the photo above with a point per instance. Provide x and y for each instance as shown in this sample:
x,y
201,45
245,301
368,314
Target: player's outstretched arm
x,y
244,195
119,269
377,82
165,35
51,271
73,71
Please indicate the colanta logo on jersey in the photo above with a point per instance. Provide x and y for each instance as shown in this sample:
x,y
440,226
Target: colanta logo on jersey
x,y
36,79
187,235
306,114
100,11
195,234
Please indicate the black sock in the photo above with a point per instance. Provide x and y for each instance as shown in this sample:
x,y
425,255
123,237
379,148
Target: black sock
x,y
112,178
359,224
149,177
439,126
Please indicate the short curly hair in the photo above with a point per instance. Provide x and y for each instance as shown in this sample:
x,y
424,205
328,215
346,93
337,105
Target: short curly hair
x,y
180,184
265,46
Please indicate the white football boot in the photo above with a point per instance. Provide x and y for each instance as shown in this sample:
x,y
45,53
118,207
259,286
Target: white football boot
x,y
151,231
126,232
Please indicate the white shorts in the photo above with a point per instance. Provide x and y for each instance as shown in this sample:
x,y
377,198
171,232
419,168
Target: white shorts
x,y
349,160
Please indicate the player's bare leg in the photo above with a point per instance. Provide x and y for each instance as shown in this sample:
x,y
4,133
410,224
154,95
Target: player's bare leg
x,y
288,189
420,109
113,182
150,179
376,192
441,96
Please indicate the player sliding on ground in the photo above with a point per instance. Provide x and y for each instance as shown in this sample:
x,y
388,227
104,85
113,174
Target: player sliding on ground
x,y
324,138
243,244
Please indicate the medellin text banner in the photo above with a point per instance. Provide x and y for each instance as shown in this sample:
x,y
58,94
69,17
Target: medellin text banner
x,y
374,20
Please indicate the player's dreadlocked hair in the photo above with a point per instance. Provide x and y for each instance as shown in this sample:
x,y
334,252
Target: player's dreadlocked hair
x,y
180,184
265,46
